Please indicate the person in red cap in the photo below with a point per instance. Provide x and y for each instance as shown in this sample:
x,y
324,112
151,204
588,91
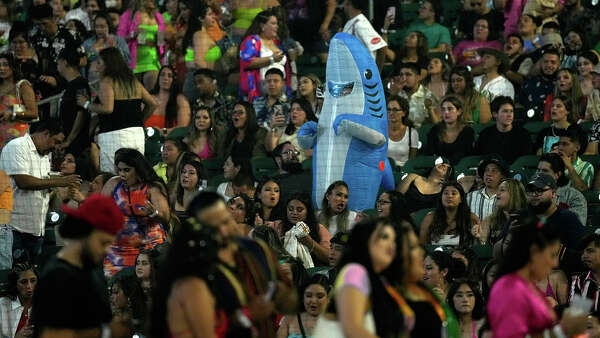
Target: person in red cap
x,y
71,298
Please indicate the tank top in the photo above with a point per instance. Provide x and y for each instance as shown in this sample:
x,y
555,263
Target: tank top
x,y
126,113
417,200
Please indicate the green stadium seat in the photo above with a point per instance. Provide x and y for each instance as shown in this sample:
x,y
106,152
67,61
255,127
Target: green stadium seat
x,y
418,216
323,270
423,132
467,165
484,253
479,127
527,162
213,166
307,164
263,167
534,127
419,165
178,132
153,145
370,212
594,160
4,280
214,181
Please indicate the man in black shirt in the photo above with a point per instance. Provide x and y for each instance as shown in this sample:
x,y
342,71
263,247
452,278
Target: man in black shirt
x,y
48,43
504,138
70,298
541,194
73,117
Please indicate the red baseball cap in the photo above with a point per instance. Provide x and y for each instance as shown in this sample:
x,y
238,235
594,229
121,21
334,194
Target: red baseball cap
x,y
100,212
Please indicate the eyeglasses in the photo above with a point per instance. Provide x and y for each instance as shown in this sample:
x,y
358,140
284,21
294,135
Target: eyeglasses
x,y
381,202
290,152
536,192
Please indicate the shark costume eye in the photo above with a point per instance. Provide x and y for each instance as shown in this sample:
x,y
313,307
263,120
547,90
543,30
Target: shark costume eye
x,y
368,74
339,89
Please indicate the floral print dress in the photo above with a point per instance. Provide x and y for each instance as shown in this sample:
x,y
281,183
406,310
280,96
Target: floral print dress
x,y
139,232
10,129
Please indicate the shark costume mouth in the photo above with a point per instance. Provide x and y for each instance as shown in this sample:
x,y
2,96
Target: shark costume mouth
x,y
340,89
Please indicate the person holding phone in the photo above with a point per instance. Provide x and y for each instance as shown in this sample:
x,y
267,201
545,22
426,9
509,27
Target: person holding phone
x,y
142,197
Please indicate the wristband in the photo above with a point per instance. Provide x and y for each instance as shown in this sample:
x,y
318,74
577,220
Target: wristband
x,y
558,331
86,105
154,214
106,331
271,60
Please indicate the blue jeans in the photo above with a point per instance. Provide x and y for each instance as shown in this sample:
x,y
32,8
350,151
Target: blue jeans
x,y
26,247
6,243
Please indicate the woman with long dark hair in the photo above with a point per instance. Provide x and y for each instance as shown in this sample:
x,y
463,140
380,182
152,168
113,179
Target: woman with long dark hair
x,y
414,49
516,306
119,108
16,302
468,306
143,28
191,178
184,303
142,197
335,215
568,85
146,266
243,138
201,138
17,101
242,210
173,108
128,301
103,37
315,236
261,50
315,297
363,302
423,192
307,89
451,138
451,223
268,193
476,108
300,113
465,52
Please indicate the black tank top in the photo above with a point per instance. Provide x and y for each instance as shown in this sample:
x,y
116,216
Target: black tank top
x,y
417,200
126,114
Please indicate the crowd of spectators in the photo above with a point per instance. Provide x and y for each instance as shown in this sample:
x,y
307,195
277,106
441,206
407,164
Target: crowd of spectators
x,y
152,183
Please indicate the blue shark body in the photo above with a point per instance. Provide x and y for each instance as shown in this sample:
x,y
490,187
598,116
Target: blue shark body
x,y
350,140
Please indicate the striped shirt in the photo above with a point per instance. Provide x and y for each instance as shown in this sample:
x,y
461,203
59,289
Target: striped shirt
x,y
583,284
584,169
481,204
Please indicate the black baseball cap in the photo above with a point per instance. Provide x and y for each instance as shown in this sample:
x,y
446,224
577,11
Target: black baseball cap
x,y
493,159
541,181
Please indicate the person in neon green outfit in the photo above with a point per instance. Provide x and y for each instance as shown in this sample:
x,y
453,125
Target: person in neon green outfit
x,y
245,11
143,28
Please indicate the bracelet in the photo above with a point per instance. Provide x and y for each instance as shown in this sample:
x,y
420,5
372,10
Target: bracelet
x,y
86,105
106,332
154,214
384,31
271,60
13,116
312,247
558,331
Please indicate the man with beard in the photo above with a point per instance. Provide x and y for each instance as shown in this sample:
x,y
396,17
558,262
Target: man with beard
x,y
585,284
70,298
541,194
26,160
291,176
249,283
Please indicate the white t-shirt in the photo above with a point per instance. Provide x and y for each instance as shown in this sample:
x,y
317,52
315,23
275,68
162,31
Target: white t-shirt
x,y
399,150
360,27
333,228
499,86
266,52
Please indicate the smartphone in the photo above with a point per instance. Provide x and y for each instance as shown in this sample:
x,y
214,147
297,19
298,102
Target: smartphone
x,y
391,12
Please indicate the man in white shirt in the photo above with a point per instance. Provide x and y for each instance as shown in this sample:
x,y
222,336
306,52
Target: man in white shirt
x,y
483,201
359,26
26,160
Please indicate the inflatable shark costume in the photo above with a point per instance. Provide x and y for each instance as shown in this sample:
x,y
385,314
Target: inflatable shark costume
x,y
351,139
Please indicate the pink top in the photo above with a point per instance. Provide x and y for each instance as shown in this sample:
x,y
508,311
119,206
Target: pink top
x,y
353,275
206,152
465,52
128,26
517,307
512,14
